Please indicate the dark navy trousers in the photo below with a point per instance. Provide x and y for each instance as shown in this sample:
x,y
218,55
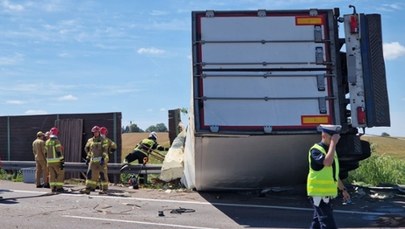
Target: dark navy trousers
x,y
323,215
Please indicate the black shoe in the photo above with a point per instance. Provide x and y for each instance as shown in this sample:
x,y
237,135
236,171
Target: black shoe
x,y
61,190
103,192
46,186
40,186
85,191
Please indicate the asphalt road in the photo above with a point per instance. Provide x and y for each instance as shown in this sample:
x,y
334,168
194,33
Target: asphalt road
x,y
24,206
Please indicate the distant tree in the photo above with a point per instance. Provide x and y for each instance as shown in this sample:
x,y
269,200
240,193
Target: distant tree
x,y
160,127
131,128
384,134
184,110
151,128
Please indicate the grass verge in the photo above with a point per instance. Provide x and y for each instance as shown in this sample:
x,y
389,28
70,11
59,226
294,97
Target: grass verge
x,y
379,170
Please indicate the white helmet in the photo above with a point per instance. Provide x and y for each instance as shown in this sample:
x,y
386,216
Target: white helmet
x,y
153,135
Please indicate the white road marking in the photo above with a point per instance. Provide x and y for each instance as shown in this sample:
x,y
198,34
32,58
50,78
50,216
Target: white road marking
x,y
136,222
213,204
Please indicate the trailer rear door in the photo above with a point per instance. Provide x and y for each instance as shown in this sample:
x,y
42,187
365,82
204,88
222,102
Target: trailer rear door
x,y
263,70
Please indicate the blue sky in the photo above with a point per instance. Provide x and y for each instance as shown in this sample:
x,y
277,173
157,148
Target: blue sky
x,y
134,57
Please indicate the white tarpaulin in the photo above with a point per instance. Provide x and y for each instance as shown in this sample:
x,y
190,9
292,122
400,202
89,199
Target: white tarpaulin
x,y
173,164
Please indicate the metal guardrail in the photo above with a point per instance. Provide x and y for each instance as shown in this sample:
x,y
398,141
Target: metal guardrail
x,y
113,168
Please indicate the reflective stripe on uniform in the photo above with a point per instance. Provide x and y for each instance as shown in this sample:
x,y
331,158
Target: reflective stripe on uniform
x,y
322,182
54,160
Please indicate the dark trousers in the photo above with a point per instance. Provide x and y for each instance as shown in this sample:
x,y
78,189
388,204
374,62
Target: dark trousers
x,y
135,155
323,216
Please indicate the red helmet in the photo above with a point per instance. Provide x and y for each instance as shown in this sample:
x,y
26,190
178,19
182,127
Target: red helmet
x,y
95,129
103,130
54,131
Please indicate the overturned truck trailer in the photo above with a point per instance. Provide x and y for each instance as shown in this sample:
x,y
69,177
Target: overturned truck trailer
x,y
262,83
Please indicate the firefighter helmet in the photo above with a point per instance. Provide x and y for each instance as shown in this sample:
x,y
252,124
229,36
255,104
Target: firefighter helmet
x,y
154,135
95,129
103,130
54,131
40,134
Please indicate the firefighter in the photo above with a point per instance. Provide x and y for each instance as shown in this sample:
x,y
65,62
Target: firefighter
x,y
97,158
41,170
47,135
111,148
142,151
323,177
56,160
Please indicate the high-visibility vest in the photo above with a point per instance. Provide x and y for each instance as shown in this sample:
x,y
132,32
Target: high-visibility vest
x,y
111,146
96,149
53,150
322,183
145,146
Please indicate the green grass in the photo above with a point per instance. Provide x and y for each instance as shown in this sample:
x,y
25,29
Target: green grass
x,y
379,170
15,176
385,166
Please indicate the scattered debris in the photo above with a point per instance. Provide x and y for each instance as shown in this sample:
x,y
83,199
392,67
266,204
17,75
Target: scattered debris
x,y
181,210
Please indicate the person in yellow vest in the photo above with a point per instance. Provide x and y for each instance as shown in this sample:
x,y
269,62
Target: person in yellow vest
x,y
41,167
143,149
97,157
56,160
323,178
111,147
141,153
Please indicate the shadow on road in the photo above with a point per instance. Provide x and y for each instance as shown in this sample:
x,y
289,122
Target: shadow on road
x,y
290,208
14,200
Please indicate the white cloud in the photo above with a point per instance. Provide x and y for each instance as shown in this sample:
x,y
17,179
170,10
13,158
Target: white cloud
x,y
15,102
64,54
393,50
35,112
11,7
158,13
390,7
68,98
172,25
11,60
151,51
162,109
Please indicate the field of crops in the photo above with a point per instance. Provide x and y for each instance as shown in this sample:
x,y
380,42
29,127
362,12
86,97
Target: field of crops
x,y
391,146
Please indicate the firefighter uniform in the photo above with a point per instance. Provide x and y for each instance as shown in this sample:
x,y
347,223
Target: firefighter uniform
x,y
141,153
111,148
143,149
97,157
55,161
41,170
